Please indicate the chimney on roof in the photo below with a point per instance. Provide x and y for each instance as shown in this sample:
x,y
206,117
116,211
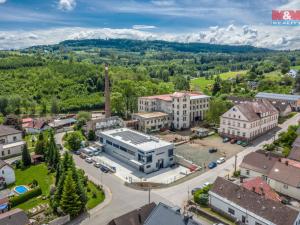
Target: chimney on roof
x,y
287,162
279,159
107,94
253,189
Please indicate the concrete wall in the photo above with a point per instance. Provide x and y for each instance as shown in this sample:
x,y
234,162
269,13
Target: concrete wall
x,y
11,138
284,189
251,173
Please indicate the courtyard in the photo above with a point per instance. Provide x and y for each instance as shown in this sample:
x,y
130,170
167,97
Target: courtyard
x,y
197,150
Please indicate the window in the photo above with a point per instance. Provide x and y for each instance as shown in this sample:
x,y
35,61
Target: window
x,y
116,146
148,166
123,149
243,219
2,141
149,159
2,171
170,152
101,139
231,211
108,142
8,151
244,125
247,172
14,138
2,153
257,223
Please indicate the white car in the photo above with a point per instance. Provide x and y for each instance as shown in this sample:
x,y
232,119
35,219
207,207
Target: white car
x,y
89,160
206,184
221,160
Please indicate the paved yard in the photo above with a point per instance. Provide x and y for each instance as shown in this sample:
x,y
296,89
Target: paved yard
x,y
197,150
130,174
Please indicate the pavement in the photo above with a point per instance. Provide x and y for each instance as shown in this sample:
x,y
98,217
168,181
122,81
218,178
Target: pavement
x,y
122,199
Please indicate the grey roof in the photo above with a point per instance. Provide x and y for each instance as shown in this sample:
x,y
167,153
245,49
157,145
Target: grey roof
x,y
6,130
278,96
63,122
3,163
261,163
14,217
166,215
270,210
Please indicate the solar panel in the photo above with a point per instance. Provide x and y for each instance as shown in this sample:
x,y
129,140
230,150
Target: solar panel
x,y
133,137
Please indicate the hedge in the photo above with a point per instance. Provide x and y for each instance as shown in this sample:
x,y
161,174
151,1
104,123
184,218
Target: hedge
x,y
16,200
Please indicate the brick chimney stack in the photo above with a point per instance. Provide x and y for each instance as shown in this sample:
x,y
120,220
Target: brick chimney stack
x,y
107,94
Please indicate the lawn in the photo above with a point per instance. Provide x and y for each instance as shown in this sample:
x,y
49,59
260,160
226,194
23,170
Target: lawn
x,y
296,67
92,202
28,138
202,83
273,76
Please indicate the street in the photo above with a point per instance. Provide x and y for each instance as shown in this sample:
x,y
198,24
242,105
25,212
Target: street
x,y
121,199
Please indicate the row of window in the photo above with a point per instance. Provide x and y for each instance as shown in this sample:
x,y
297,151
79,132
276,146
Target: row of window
x,y
3,152
156,121
232,212
120,147
233,132
3,140
254,124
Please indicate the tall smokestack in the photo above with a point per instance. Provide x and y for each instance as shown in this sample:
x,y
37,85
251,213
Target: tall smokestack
x,y
107,93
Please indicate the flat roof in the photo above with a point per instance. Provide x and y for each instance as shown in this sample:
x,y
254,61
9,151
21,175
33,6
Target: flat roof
x,y
149,115
136,139
278,96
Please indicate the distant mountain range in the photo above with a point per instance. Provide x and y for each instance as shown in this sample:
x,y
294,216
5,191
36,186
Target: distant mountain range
x,y
139,46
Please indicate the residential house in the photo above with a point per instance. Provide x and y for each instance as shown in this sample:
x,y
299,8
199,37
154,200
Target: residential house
x,y
14,217
185,108
283,175
34,126
152,121
247,207
292,73
260,186
293,100
61,123
239,99
153,214
247,120
283,108
7,174
11,143
295,151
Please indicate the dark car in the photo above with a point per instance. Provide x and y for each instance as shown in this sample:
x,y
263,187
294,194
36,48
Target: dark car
x,y
212,150
212,165
245,144
233,141
83,156
226,140
77,152
104,169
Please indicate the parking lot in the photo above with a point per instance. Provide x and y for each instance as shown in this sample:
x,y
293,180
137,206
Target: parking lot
x,y
197,150
130,174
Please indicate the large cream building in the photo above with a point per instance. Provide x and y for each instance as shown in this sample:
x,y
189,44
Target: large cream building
x,y
248,120
184,108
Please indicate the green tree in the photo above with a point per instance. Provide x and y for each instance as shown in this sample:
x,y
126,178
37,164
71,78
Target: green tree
x,y
74,140
217,85
26,158
84,115
54,106
181,83
216,109
40,145
117,104
53,154
91,135
70,201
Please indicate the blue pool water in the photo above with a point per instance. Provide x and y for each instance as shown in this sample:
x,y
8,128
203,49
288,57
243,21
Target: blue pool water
x,y
21,189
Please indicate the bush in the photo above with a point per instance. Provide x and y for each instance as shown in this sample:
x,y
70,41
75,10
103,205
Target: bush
x,y
94,195
16,200
34,183
237,173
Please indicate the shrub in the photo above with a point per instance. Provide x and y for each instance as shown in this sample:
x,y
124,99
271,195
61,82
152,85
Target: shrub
x,y
237,173
34,183
94,195
88,189
203,199
16,200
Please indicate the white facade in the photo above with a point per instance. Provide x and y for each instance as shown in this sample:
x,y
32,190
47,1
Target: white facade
x,y
284,189
237,212
11,145
184,107
235,124
143,152
8,173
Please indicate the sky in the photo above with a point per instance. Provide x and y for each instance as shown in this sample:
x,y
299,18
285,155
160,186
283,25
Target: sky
x,y
25,23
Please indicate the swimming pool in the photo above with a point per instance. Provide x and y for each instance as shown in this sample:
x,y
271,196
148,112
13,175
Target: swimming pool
x,y
21,189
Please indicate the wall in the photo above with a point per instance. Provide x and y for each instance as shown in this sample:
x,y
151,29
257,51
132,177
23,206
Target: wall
x,y
279,187
8,173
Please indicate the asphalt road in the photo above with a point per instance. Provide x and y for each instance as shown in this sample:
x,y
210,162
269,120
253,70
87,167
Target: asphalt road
x,y
121,199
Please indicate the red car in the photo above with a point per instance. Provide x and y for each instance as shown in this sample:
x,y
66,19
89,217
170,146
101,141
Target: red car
x,y
233,141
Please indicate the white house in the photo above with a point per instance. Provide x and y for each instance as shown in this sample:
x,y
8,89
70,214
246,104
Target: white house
x,y
185,108
247,207
143,152
248,120
292,73
11,142
7,174
152,121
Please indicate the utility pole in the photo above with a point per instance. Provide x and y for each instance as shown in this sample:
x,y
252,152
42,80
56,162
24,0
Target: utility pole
x,y
149,195
235,159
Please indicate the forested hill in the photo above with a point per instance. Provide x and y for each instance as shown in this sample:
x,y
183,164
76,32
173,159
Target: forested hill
x,y
139,46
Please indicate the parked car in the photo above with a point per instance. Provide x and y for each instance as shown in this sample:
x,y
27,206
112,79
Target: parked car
x,y
89,160
97,153
239,142
245,144
83,156
233,141
97,165
77,152
221,160
104,169
212,165
212,150
226,140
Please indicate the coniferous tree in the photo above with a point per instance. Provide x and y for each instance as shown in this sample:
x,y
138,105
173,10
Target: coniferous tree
x,y
40,145
52,152
26,158
70,201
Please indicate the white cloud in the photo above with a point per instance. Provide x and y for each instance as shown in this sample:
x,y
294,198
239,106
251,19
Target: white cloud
x,y
2,1
142,27
273,37
66,5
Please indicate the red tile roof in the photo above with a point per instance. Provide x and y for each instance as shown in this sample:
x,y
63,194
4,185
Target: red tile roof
x,y
259,186
168,97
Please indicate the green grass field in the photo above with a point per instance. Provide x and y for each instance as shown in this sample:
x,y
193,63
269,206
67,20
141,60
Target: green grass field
x,y
296,67
93,202
274,76
200,83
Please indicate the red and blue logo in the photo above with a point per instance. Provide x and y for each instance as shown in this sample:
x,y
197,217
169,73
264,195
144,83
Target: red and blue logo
x,y
286,17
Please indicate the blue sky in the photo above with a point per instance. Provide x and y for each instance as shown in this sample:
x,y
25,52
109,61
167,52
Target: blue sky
x,y
168,17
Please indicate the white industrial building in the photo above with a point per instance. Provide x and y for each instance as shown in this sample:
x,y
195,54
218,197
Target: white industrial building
x,y
248,120
143,152
185,108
